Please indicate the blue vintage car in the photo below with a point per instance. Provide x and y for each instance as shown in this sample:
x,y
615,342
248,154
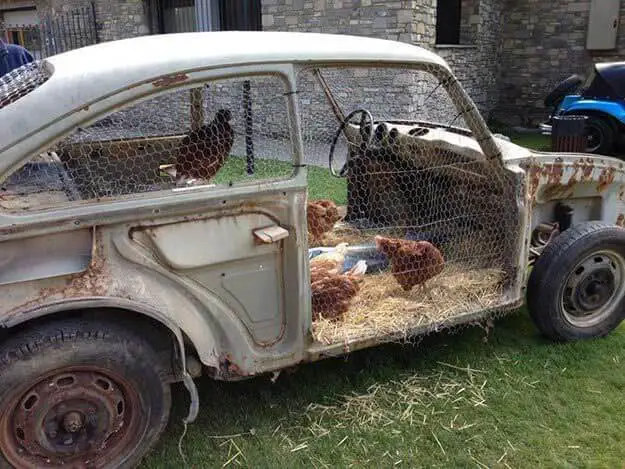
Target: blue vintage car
x,y
601,97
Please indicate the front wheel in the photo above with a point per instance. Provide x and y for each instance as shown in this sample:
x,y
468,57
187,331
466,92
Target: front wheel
x,y
79,394
577,287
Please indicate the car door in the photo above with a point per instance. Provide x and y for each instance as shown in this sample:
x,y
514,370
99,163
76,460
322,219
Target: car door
x,y
196,204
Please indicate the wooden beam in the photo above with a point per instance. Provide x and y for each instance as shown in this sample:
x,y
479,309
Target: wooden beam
x,y
197,108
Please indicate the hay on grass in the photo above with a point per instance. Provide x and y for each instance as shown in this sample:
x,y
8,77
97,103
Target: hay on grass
x,y
382,307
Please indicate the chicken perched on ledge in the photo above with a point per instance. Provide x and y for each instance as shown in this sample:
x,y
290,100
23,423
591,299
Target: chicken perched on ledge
x,y
203,152
331,292
412,262
321,217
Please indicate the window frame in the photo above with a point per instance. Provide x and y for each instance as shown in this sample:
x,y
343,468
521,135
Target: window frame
x,y
145,204
443,19
463,32
215,18
156,11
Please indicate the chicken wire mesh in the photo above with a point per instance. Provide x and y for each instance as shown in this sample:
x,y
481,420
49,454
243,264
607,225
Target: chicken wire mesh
x,y
226,133
21,81
422,227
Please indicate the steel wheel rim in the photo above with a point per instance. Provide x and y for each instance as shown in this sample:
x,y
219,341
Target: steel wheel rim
x,y
593,289
594,138
79,417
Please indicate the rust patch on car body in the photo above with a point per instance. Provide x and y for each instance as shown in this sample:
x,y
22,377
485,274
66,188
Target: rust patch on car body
x,y
556,188
582,172
170,80
559,179
553,172
94,281
558,191
534,180
229,369
606,178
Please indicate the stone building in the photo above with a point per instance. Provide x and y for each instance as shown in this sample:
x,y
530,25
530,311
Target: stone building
x,y
507,53
543,43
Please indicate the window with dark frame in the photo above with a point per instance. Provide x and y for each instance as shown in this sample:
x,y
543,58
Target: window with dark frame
x,y
245,15
448,20
178,16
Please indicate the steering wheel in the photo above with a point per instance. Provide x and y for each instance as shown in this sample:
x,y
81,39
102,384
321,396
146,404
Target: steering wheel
x,y
366,134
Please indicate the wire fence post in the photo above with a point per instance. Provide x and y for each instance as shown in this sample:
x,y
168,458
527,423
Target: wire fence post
x,y
249,127
243,15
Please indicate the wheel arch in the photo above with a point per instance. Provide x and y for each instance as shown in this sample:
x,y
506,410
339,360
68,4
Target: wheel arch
x,y
609,117
163,334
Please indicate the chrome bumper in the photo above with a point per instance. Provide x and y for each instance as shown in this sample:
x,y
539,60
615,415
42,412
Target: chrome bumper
x,y
545,129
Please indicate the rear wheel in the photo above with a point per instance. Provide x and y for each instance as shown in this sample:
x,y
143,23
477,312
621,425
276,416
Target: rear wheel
x,y
601,136
577,287
81,395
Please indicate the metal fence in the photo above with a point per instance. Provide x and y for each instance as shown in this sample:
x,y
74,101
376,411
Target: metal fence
x,y
68,30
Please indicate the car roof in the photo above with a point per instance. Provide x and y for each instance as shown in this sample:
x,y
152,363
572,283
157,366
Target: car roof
x,y
84,75
229,48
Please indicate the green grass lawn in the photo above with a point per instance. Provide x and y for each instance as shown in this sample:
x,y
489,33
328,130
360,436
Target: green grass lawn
x,y
534,141
455,400
461,399
321,183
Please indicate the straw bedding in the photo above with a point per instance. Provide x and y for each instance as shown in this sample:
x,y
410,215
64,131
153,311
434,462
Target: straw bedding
x,y
382,307
344,233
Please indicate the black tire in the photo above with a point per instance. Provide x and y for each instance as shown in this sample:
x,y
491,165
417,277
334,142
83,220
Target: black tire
x,y
561,283
566,86
601,134
79,381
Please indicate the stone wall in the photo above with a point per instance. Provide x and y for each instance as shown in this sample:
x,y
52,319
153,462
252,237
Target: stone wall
x,y
476,63
413,21
410,21
395,94
122,19
543,43
470,20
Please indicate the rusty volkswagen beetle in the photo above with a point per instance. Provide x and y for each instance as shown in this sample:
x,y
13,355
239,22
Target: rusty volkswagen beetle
x,y
235,203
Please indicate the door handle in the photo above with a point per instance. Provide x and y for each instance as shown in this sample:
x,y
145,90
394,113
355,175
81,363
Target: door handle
x,y
270,234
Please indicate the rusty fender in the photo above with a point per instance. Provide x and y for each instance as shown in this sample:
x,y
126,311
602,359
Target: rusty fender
x,y
563,177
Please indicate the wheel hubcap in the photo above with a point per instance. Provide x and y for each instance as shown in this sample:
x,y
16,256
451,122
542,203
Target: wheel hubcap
x,y
78,418
594,289
593,137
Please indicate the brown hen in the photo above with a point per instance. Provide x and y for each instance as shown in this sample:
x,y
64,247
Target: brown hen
x,y
332,293
203,152
412,262
321,217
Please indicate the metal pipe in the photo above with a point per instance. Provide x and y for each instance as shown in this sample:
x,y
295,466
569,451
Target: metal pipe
x,y
249,129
